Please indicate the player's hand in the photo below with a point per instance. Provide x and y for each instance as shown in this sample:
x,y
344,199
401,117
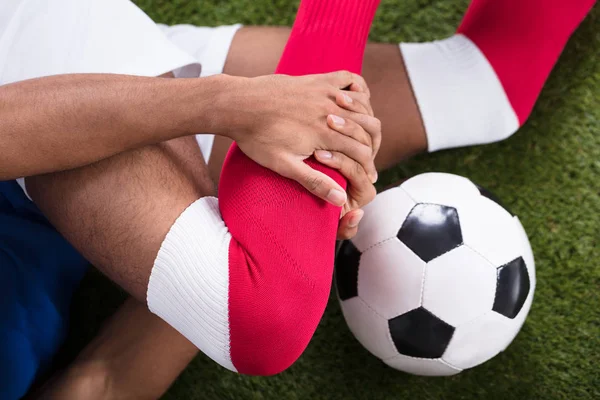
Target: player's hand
x,y
360,189
279,121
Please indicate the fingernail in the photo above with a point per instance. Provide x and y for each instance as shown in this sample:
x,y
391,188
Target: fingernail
x,y
337,120
323,154
347,99
355,220
337,197
374,178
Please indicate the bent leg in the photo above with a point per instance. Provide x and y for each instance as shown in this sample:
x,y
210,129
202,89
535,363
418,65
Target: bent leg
x,y
494,97
117,212
120,212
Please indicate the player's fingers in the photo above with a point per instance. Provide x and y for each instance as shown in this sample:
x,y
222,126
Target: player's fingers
x,y
356,87
349,128
361,150
360,188
344,79
376,137
365,96
316,182
348,226
370,124
360,85
354,101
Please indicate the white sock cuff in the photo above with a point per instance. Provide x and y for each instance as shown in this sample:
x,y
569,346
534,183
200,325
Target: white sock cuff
x,y
189,283
461,99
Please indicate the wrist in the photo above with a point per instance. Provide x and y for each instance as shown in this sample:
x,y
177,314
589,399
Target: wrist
x,y
227,107
194,105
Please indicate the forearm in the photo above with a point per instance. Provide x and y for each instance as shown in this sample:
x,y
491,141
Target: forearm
x,y
67,121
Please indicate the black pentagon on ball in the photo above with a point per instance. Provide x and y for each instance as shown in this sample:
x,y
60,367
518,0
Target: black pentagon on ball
x,y
431,230
419,333
346,270
512,288
486,193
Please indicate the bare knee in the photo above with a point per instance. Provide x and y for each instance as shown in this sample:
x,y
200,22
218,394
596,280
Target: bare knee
x,y
117,212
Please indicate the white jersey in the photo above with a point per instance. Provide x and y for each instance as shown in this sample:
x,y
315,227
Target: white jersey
x,y
48,37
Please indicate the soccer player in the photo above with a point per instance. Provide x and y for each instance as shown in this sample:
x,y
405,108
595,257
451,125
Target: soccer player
x,y
118,210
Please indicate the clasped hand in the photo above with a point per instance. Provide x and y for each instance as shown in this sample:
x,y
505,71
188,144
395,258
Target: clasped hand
x,y
279,121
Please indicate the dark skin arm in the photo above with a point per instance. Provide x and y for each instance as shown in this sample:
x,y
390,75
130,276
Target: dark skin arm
x,y
67,121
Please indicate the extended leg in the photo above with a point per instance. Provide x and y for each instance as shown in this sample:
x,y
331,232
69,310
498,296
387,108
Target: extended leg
x,y
478,86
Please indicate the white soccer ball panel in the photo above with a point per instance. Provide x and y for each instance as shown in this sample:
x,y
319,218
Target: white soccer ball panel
x,y
369,328
440,188
479,340
459,286
489,230
383,218
390,278
421,366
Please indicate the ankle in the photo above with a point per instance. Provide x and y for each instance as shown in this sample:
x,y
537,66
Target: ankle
x,y
81,381
92,381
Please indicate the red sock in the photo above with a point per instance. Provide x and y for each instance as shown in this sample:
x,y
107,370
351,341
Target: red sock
x,y
281,254
522,39
480,85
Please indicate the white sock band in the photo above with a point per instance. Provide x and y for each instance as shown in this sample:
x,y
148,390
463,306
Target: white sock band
x,y
461,99
189,283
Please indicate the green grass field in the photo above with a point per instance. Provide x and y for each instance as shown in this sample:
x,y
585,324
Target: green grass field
x,y
548,173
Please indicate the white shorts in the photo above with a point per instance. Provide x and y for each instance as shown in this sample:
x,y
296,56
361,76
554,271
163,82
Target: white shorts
x,y
209,46
49,37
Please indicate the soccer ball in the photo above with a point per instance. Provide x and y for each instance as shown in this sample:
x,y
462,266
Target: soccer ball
x,y
439,278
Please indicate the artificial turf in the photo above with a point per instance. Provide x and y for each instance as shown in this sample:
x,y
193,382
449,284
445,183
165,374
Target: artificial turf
x,y
547,173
